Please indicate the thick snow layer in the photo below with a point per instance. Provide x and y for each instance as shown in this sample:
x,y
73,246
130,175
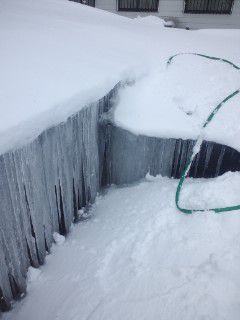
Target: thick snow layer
x,y
57,56
175,101
222,194
139,258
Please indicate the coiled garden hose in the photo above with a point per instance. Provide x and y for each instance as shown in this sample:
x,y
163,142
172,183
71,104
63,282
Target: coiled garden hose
x,y
198,143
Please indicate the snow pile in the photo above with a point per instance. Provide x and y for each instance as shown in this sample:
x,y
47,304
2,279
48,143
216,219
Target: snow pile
x,y
32,275
58,238
175,101
206,193
169,24
58,56
139,258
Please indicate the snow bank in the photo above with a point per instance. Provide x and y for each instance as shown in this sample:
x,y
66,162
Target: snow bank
x,y
139,258
32,275
58,238
222,194
175,101
57,56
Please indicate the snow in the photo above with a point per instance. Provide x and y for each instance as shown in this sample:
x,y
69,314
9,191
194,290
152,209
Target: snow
x,y
175,101
58,56
137,257
150,20
58,238
32,275
222,194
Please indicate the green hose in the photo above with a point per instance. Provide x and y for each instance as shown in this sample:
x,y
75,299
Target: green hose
x,y
197,146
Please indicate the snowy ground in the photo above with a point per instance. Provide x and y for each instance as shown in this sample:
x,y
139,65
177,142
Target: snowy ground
x,y
138,258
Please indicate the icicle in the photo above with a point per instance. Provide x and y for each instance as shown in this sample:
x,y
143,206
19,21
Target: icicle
x,y
220,159
42,186
209,148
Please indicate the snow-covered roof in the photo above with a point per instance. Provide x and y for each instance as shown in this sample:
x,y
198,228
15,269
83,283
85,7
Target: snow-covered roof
x,y
57,56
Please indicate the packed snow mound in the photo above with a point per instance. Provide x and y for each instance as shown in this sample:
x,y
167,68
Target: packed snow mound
x,y
175,101
139,258
58,56
211,193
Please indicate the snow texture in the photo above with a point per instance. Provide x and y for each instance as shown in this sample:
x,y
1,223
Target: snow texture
x,y
175,101
139,258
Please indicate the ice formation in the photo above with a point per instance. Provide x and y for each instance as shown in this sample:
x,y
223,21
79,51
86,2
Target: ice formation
x,y
131,157
42,186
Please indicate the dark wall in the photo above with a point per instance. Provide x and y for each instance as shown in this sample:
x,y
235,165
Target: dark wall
x,y
130,157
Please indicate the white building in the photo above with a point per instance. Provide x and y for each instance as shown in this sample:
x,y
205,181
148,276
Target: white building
x,y
194,14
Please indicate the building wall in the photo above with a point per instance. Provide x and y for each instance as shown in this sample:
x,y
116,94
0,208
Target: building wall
x,y
174,9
